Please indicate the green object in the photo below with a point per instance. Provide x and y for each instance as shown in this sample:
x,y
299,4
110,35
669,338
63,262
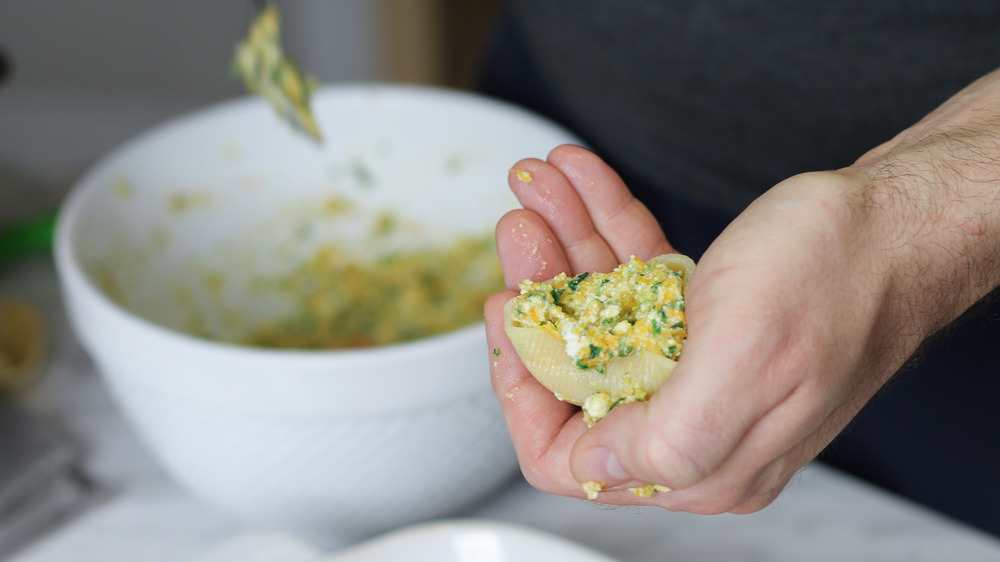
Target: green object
x,y
26,237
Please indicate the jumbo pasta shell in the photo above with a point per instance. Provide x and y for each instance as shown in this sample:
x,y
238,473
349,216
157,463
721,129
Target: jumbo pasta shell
x,y
544,355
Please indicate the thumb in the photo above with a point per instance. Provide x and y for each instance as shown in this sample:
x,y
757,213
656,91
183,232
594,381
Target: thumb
x,y
645,443
682,435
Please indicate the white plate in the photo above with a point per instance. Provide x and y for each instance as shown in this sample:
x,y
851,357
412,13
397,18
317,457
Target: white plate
x,y
443,541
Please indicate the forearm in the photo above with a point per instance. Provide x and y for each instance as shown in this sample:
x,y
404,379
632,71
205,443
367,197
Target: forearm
x,y
933,194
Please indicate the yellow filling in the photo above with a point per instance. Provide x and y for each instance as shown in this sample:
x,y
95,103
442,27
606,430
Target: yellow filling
x,y
648,490
345,301
260,61
600,316
592,488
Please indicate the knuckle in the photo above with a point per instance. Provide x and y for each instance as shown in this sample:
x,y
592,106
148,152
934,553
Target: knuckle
x,y
538,471
534,475
712,506
715,499
672,462
724,499
753,504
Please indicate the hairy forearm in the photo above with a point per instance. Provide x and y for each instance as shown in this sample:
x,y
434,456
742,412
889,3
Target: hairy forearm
x,y
934,192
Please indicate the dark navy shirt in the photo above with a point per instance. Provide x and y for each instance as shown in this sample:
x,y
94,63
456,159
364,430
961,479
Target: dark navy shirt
x,y
718,100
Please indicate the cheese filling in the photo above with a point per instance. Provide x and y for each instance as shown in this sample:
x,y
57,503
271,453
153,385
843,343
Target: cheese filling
x,y
600,316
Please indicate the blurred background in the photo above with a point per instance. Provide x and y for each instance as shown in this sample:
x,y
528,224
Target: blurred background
x,y
79,78
83,77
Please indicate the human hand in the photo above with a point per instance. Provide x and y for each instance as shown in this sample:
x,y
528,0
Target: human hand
x,y
797,314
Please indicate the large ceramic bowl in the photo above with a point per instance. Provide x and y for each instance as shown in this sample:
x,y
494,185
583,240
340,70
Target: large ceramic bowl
x,y
173,227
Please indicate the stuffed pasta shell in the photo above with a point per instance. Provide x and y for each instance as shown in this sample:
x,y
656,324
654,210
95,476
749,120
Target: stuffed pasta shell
x,y
600,339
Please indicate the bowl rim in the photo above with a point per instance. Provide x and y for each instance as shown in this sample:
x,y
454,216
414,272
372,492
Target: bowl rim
x,y
72,273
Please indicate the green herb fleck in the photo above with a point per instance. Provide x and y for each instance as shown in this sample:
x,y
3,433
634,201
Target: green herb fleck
x,y
556,294
496,351
575,282
604,282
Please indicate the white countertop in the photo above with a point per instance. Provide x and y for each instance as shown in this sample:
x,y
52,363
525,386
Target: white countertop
x,y
142,516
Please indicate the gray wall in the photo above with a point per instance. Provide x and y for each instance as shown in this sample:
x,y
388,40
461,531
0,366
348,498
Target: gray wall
x,y
89,74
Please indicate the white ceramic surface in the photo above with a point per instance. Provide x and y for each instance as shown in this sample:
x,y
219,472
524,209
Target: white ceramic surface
x,y
325,443
443,541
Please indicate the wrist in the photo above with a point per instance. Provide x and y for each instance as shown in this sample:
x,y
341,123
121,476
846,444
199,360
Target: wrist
x,y
934,209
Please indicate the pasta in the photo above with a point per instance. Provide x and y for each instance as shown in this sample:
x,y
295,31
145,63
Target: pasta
x,y
599,340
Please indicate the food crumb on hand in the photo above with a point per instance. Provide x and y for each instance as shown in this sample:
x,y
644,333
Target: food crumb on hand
x,y
592,488
523,175
648,490
596,406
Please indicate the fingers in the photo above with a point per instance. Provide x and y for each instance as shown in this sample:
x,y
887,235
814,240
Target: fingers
x,y
527,248
541,427
578,216
525,406
628,227
543,189
639,451
588,208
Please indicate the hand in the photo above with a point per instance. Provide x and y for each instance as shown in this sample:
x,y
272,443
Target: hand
x,y
797,314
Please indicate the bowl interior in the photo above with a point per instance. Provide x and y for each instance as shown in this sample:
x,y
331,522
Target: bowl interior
x,y
189,225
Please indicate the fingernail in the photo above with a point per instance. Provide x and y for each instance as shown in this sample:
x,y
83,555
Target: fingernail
x,y
602,465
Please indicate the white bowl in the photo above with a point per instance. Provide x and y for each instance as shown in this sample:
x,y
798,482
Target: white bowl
x,y
460,540
325,443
